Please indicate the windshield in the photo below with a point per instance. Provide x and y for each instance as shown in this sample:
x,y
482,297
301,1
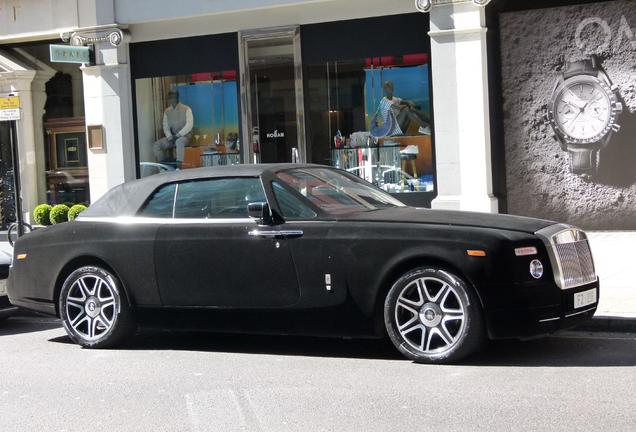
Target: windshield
x,y
337,193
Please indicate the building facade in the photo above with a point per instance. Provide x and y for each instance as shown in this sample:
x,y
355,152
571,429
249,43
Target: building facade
x,y
448,108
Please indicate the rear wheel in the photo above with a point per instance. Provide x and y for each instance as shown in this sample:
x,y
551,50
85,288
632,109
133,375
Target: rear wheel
x,y
432,316
93,308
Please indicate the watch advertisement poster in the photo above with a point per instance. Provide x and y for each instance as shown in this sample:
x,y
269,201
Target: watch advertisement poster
x,y
569,95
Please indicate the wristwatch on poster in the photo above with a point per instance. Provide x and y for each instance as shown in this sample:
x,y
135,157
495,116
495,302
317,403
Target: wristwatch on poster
x,y
583,113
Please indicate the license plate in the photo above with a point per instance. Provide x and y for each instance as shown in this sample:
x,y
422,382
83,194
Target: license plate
x,y
3,287
584,298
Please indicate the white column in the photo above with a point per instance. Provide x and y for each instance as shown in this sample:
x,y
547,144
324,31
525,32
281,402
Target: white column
x,y
107,102
460,99
20,81
40,141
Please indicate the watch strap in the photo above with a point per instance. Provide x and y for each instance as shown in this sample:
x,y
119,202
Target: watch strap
x,y
581,67
583,161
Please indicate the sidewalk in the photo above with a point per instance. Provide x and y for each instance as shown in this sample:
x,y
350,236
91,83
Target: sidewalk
x,y
616,269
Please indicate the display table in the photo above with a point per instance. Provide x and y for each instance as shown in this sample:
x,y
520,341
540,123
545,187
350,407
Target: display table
x,y
213,158
364,161
396,164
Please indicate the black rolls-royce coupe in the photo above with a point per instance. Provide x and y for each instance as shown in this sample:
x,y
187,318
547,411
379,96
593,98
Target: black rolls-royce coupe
x,y
302,249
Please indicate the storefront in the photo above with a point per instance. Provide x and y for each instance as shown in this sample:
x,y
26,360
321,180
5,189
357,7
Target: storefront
x,y
50,134
350,94
351,84
564,112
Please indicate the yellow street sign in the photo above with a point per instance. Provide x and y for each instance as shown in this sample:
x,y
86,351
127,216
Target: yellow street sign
x,y
10,102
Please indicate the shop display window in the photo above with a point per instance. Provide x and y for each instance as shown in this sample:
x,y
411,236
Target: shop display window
x,y
67,161
371,117
187,121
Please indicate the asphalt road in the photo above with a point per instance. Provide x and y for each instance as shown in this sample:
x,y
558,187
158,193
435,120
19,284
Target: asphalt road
x,y
204,382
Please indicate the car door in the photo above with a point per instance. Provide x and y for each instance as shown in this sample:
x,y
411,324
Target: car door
x,y
317,253
205,255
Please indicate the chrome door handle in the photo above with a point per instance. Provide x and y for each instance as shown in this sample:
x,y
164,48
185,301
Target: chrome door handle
x,y
292,233
266,234
276,234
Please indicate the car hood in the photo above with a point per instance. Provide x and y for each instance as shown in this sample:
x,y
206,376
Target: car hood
x,y
449,217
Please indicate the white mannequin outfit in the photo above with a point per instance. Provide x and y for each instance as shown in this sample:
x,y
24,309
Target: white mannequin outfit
x,y
177,122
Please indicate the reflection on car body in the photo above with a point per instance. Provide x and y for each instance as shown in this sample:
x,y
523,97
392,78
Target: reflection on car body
x,y
302,249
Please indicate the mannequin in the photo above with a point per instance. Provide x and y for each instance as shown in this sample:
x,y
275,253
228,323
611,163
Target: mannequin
x,y
177,127
404,111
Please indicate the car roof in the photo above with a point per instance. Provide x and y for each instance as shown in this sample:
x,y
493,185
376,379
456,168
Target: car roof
x,y
126,199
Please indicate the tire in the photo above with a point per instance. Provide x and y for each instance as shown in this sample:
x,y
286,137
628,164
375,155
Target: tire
x,y
94,309
433,316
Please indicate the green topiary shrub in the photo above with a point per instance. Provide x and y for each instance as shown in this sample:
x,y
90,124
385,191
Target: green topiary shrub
x,y
75,211
42,214
59,214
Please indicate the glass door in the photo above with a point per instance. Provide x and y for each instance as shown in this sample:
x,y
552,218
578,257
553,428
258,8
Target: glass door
x,y
272,96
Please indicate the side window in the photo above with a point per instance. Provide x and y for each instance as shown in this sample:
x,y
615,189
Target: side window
x,y
217,198
160,203
290,205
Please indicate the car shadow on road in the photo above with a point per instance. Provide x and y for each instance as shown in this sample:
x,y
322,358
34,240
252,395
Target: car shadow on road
x,y
582,350
151,340
566,350
30,324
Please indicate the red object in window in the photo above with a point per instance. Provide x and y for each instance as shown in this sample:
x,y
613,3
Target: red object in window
x,y
387,61
206,76
415,59
229,75
372,62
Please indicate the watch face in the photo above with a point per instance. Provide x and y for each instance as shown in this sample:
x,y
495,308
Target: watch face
x,y
583,110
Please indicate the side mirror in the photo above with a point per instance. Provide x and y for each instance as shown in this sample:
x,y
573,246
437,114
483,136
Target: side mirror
x,y
259,211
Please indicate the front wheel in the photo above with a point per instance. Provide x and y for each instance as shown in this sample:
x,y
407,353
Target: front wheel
x,y
93,308
432,316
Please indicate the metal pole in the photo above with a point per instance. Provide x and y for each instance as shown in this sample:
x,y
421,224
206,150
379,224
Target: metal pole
x,y
16,176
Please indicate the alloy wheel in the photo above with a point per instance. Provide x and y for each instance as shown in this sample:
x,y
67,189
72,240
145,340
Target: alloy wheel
x,y
92,306
430,315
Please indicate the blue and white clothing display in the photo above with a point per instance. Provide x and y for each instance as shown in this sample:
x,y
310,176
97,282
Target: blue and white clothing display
x,y
388,108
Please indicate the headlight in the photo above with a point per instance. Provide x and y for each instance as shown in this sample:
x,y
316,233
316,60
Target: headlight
x,y
536,269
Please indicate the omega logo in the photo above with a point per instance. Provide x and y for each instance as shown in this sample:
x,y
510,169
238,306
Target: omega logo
x,y
606,37
276,134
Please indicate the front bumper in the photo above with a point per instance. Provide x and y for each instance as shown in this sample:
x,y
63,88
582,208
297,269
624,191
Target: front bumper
x,y
533,321
43,306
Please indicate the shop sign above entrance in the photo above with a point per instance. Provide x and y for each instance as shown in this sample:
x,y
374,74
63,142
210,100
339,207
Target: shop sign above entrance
x,y
70,54
9,108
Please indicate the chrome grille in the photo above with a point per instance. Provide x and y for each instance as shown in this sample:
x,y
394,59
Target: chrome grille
x,y
576,263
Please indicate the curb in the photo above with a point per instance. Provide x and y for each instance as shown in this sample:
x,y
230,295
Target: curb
x,y
615,324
